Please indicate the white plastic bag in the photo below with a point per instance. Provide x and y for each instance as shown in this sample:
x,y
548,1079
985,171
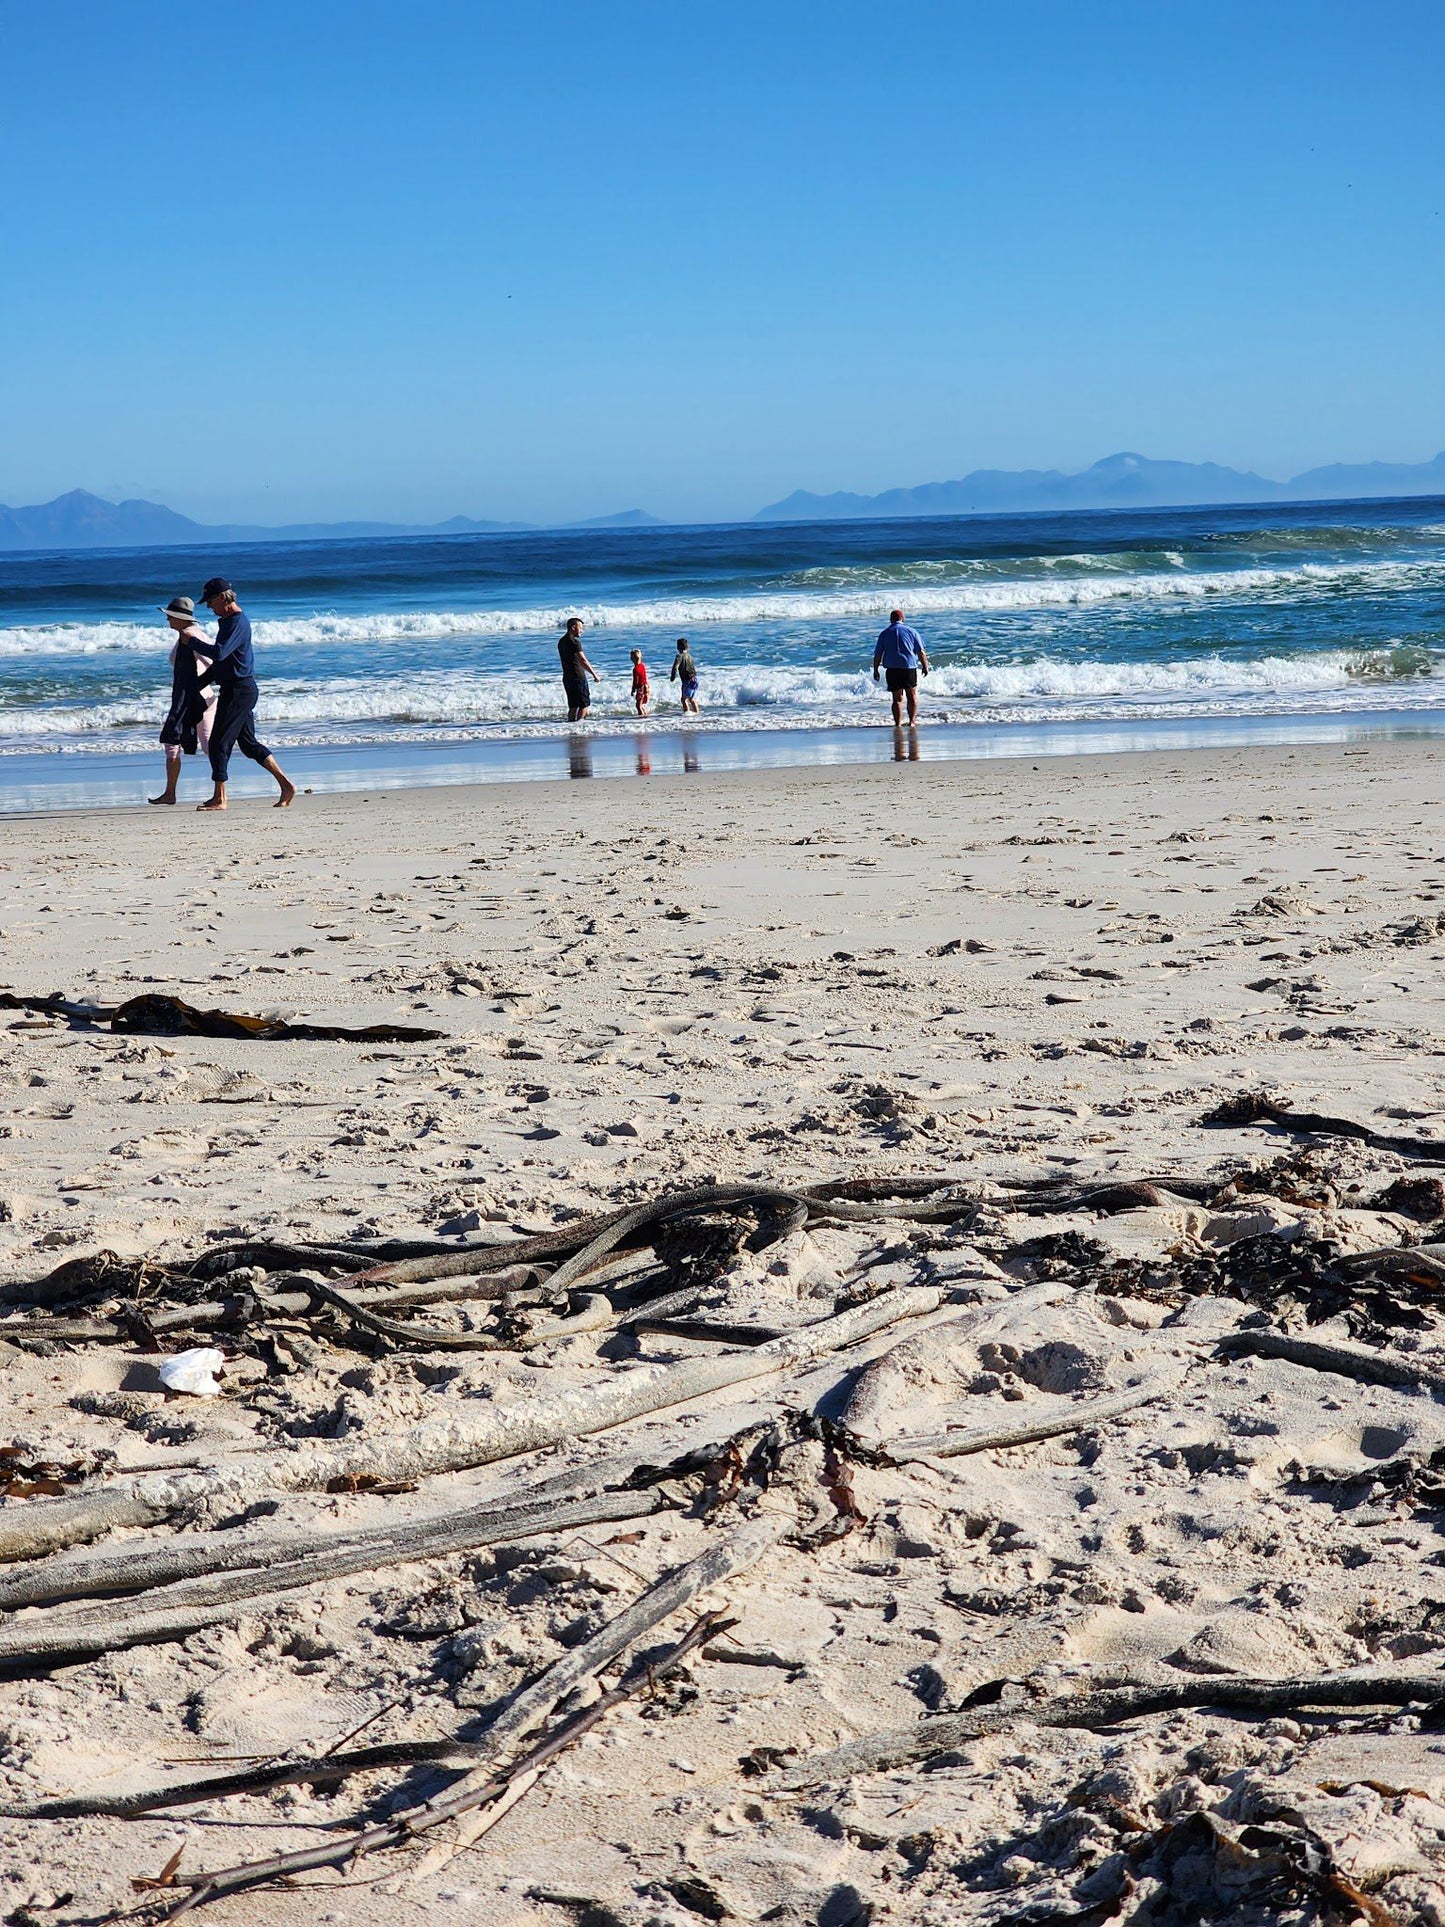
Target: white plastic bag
x,y
193,1371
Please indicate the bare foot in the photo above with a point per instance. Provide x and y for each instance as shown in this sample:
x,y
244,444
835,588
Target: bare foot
x,y
286,798
160,799
212,804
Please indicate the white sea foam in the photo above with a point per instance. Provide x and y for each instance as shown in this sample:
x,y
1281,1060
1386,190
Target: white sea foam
x,y
993,588
763,696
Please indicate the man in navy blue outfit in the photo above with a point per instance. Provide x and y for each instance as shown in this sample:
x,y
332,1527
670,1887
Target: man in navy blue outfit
x,y
900,653
233,670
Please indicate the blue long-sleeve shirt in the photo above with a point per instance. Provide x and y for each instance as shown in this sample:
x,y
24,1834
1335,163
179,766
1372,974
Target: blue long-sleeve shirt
x,y
233,659
899,647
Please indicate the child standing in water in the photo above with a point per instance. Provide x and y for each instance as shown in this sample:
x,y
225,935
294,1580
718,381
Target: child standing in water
x,y
684,672
639,683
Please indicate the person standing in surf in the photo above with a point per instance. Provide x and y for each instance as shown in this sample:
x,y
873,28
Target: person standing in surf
x,y
684,673
900,653
233,670
575,671
186,730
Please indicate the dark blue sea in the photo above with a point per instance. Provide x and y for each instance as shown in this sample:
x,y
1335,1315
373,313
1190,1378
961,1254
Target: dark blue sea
x,y
415,659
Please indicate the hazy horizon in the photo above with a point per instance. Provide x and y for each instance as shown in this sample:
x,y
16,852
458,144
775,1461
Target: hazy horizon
x,y
548,267
620,513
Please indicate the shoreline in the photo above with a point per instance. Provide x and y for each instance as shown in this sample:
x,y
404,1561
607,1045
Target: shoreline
x,y
61,782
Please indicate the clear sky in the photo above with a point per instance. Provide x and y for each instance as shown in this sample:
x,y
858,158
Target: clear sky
x,y
409,258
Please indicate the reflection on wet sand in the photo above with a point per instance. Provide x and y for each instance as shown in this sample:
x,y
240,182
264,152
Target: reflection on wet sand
x,y
691,754
905,744
643,745
579,756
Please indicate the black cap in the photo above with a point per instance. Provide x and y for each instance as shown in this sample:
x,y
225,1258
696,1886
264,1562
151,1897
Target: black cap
x,y
218,585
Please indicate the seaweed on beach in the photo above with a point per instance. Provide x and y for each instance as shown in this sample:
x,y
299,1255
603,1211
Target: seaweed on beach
x,y
154,1014
1409,1479
1284,1278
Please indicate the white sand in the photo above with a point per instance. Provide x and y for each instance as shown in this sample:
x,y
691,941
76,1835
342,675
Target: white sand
x,y
654,984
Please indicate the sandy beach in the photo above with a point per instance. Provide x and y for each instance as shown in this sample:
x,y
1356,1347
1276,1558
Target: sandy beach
x,y
987,974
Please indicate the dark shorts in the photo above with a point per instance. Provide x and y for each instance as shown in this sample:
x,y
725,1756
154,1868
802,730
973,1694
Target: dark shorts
x,y
578,695
901,679
689,689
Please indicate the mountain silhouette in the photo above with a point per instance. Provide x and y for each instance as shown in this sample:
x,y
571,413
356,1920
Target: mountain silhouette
x,y
1119,481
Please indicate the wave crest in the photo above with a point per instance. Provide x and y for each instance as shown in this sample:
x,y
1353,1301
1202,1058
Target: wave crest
x,y
321,710
994,588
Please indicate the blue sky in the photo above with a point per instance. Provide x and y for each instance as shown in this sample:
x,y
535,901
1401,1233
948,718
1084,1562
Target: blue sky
x,y
334,258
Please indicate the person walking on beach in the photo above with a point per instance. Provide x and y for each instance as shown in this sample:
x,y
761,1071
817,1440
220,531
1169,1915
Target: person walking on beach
x,y
639,683
233,670
900,654
187,727
684,672
575,671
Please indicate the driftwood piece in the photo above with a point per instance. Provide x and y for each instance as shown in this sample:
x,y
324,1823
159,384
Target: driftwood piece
x,y
1058,1416
875,1387
292,1304
1109,1706
669,1595
451,1442
272,1562
1424,1262
533,1703
705,1331
30,1529
407,1825
1361,1362
594,1313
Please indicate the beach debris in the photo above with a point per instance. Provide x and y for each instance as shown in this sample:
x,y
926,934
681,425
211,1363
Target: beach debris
x,y
1257,1107
154,1014
451,1443
404,1827
942,1733
925,1389
161,1016
24,1476
222,1587
1362,1362
193,1371
1203,1868
1066,1416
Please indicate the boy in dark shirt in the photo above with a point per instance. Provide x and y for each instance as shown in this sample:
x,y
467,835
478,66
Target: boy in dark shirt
x,y
684,673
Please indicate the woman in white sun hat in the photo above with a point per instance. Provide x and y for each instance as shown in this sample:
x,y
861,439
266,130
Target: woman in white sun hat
x,y
186,730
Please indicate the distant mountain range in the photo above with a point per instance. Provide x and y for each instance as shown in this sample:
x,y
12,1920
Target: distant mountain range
x,y
1119,481
81,520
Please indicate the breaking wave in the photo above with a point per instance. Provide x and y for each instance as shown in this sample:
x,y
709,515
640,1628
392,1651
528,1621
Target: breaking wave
x,y
930,589
443,703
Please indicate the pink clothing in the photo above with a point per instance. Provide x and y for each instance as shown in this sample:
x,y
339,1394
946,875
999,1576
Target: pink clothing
x,y
208,693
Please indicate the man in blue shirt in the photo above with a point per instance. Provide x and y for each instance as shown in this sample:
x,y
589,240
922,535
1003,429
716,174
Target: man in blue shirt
x,y
901,654
233,670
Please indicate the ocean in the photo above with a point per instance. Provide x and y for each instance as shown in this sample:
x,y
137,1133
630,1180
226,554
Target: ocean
x,y
432,659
